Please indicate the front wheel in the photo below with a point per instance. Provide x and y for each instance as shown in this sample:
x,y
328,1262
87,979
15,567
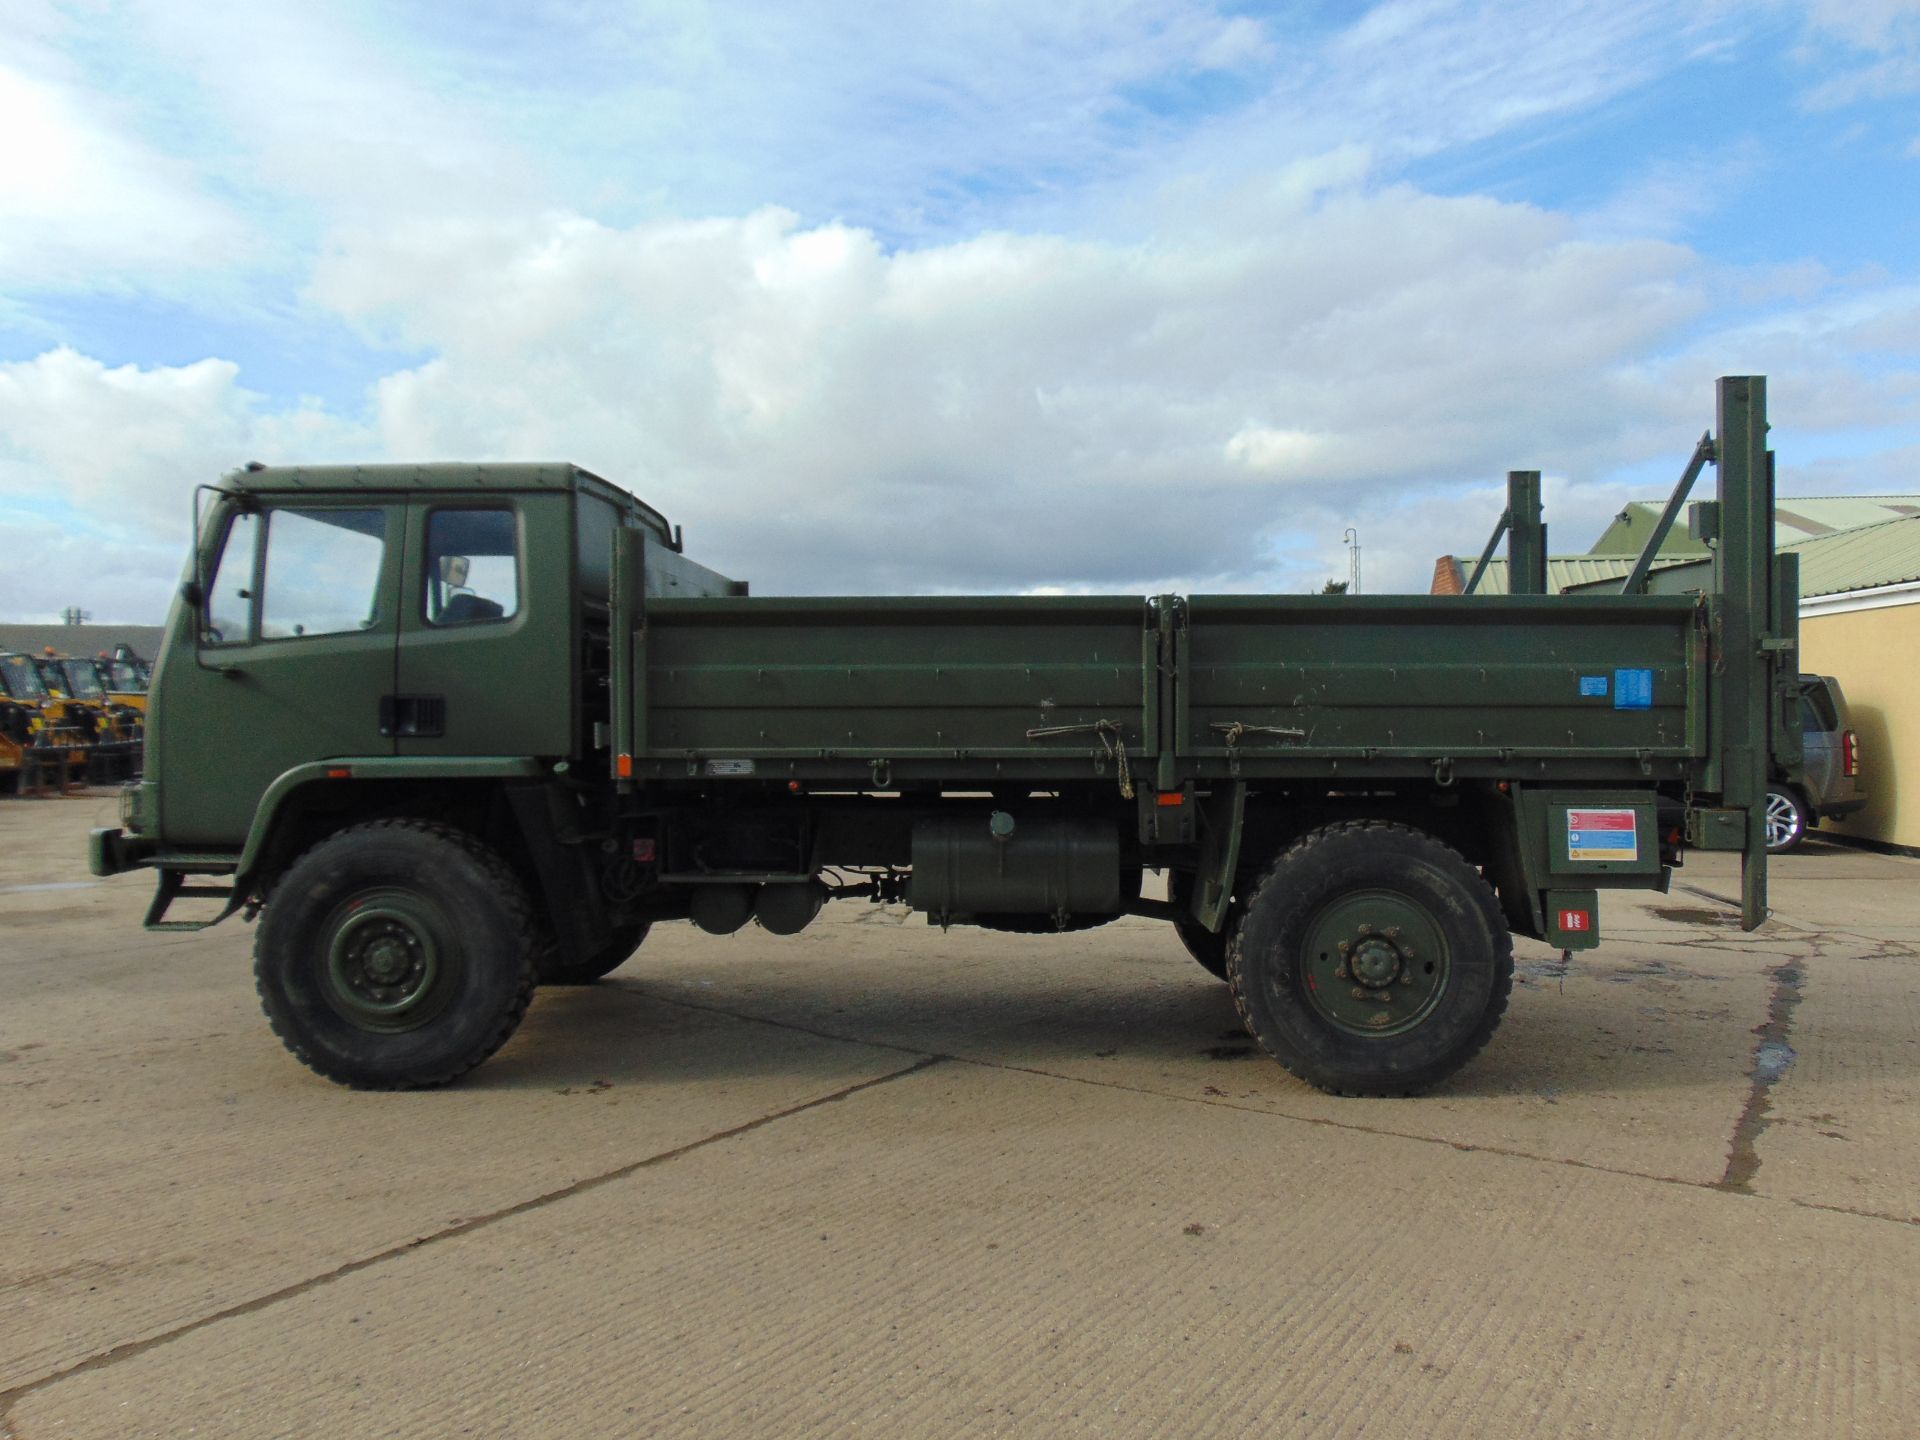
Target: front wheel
x,y
395,955
1372,960
1786,820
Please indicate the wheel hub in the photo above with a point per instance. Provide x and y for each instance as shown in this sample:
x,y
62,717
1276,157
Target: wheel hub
x,y
382,964
1375,962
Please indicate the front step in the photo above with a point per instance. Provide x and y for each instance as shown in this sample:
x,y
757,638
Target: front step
x,y
173,886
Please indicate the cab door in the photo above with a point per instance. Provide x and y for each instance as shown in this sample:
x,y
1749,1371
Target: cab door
x,y
294,656
486,627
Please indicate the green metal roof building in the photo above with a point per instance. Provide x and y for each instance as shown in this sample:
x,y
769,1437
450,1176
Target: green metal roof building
x,y
1846,543
1846,562
1564,572
1808,517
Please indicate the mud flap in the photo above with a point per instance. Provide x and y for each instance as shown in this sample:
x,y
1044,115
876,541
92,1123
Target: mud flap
x,y
1221,814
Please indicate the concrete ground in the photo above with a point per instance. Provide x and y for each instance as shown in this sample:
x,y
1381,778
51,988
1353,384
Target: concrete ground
x,y
877,1180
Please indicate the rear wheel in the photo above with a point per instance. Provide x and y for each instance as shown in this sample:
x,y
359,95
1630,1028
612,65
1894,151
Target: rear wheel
x,y
1372,960
551,969
1787,820
395,955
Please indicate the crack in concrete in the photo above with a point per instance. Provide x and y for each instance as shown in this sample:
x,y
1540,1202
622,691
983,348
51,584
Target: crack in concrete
x,y
131,1348
1463,1146
1743,1162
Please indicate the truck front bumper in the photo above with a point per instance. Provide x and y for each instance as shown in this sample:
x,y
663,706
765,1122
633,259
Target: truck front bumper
x,y
114,851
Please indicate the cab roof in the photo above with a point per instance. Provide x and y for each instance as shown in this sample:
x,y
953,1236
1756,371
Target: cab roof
x,y
439,477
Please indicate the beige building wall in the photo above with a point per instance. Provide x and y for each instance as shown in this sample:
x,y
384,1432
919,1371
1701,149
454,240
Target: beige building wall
x,y
1875,655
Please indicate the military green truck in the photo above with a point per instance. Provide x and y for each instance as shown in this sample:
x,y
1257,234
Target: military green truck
x,y
452,731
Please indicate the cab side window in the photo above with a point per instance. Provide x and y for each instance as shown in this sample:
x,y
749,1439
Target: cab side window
x,y
473,566
230,595
322,572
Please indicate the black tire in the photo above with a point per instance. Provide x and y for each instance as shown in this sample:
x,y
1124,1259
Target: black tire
x,y
1787,820
395,955
1209,947
550,969
1362,893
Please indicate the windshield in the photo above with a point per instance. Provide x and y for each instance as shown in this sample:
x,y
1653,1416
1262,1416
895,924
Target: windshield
x,y
82,679
126,675
20,677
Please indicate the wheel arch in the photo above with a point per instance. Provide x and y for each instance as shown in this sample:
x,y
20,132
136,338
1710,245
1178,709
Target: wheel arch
x,y
305,804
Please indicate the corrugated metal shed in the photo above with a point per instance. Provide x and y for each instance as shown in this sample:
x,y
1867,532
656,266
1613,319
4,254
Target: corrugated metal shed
x,y
1563,571
1811,516
1866,557
1795,518
1845,543
1862,558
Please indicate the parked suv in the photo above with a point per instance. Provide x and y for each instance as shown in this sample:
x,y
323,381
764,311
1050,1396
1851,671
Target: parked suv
x,y
1828,781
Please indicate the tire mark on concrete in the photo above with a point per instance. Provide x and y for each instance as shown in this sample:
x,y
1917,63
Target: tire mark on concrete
x,y
9,1398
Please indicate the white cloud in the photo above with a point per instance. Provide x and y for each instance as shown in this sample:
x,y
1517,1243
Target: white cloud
x,y
1018,410
98,465
1240,44
1278,453
1868,24
1161,316
1208,409
325,106
1413,77
82,203
1885,32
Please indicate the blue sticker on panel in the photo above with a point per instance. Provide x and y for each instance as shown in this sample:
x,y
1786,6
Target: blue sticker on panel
x,y
1593,685
1633,689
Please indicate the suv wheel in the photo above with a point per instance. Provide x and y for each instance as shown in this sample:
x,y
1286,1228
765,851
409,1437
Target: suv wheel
x,y
1786,820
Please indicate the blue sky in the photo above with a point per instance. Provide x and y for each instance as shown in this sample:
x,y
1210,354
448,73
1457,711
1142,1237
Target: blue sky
x,y
1095,296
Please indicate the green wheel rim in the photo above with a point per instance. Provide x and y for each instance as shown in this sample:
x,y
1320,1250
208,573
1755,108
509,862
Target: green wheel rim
x,y
385,962
1374,963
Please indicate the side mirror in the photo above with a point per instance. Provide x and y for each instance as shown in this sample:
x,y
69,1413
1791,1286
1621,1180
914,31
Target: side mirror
x,y
454,570
193,593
